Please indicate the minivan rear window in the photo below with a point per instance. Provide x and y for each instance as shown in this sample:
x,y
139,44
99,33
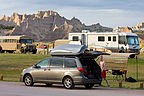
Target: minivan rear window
x,y
56,62
70,63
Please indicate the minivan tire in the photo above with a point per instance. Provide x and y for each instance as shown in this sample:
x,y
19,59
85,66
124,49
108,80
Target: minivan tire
x,y
68,83
88,86
28,80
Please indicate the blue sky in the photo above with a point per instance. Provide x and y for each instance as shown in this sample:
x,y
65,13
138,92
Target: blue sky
x,y
111,13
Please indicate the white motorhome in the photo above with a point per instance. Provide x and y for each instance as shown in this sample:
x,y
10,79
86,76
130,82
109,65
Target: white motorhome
x,y
112,41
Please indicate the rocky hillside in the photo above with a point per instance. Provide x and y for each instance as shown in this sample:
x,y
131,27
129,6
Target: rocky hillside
x,y
45,26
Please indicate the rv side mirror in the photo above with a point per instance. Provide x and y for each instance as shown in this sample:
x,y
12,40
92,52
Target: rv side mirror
x,y
125,43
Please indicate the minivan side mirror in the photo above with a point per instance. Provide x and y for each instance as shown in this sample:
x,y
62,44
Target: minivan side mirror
x,y
36,66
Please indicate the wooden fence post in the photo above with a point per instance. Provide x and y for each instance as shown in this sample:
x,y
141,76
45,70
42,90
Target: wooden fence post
x,y
1,77
141,84
120,84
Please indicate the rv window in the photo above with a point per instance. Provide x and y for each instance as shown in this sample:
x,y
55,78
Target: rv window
x,y
122,40
101,38
75,38
1,40
109,38
132,40
114,38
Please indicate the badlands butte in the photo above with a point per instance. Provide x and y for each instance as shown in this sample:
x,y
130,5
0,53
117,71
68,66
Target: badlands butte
x,y
44,26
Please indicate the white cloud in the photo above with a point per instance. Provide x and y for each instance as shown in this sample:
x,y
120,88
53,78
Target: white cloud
x,y
105,10
106,17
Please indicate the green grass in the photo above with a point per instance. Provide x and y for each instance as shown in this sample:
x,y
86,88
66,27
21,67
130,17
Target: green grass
x,y
132,69
129,85
11,65
131,72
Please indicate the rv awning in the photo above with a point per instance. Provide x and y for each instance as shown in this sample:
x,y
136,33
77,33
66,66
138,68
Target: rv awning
x,y
98,53
68,49
93,54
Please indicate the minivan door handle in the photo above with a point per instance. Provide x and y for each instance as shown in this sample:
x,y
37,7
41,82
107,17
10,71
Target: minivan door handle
x,y
46,69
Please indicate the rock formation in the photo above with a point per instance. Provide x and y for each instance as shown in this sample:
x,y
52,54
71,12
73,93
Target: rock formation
x,y
46,26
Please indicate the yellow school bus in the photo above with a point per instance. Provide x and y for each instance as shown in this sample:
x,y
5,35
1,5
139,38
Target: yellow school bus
x,y
21,44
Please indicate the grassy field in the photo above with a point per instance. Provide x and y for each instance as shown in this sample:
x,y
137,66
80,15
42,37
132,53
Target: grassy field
x,y
131,72
11,65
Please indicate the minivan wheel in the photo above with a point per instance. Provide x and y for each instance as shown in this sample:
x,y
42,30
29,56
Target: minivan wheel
x,y
88,86
28,80
68,83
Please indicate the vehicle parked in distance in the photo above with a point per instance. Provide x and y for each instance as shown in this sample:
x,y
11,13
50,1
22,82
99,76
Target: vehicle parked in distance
x,y
119,42
0,49
69,65
21,44
43,46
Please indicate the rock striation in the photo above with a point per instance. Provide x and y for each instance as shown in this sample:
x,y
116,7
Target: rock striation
x,y
46,26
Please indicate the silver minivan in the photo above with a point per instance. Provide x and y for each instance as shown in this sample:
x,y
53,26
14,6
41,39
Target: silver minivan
x,y
69,65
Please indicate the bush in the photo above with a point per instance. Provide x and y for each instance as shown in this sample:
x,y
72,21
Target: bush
x,y
6,27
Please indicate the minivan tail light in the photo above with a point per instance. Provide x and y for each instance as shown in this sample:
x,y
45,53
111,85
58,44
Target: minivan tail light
x,y
81,69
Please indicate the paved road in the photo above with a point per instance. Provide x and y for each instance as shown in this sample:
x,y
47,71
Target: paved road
x,y
19,89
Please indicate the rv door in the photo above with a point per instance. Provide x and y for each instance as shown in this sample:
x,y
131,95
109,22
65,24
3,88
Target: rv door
x,y
83,37
122,43
112,42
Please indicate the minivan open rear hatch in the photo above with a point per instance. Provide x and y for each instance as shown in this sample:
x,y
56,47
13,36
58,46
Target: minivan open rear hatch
x,y
75,50
91,69
68,49
92,54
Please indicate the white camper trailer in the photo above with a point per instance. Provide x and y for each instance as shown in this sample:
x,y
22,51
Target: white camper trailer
x,y
111,41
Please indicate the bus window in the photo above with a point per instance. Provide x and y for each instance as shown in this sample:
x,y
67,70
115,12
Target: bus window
x,y
6,40
14,40
25,41
1,40
101,38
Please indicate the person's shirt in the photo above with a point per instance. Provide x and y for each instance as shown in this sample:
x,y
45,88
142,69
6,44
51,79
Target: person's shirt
x,y
103,65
